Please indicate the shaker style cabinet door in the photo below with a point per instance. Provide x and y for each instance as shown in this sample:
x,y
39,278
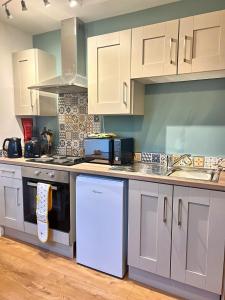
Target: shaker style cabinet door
x,y
11,203
150,221
109,73
31,67
154,50
198,238
24,63
202,43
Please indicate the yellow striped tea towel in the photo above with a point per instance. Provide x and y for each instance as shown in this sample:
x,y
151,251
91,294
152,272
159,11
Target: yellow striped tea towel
x,y
44,205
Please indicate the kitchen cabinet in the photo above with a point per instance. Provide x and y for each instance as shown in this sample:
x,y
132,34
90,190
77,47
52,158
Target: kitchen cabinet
x,y
150,223
110,90
11,199
202,43
180,239
154,50
158,57
33,66
198,238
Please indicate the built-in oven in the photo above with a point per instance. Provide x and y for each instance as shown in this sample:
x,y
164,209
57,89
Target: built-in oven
x,y
59,216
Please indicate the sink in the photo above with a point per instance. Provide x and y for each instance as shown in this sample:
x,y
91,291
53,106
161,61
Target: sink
x,y
144,168
180,172
194,173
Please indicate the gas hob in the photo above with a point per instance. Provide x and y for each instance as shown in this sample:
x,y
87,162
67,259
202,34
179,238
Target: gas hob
x,y
57,160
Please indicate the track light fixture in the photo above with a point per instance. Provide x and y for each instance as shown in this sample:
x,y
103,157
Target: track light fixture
x,y
46,3
23,5
8,14
7,11
73,3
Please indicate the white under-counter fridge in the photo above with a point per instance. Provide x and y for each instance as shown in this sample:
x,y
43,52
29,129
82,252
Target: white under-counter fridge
x,y
101,223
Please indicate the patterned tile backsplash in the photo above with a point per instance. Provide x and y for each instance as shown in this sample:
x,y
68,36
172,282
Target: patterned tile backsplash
x,y
74,123
193,161
158,158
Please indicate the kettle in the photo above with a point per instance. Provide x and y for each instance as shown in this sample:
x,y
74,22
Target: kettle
x,y
32,148
14,148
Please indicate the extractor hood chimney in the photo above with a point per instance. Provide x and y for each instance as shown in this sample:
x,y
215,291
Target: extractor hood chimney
x,y
73,52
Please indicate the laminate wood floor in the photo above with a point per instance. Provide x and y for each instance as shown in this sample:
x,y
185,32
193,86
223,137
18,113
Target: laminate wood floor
x,y
28,273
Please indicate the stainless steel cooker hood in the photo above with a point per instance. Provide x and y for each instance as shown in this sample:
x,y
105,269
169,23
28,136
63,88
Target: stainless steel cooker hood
x,y
73,52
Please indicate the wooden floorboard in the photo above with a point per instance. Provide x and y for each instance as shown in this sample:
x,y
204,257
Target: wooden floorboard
x,y
28,273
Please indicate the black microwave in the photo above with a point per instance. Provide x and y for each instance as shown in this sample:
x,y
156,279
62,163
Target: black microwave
x,y
117,151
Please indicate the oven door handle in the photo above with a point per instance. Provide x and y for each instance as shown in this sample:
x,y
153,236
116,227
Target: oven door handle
x,y
54,188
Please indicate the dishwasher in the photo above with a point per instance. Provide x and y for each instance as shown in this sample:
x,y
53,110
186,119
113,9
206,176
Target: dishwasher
x,y
101,224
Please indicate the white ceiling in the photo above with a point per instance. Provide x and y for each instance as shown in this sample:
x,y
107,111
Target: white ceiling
x,y
39,19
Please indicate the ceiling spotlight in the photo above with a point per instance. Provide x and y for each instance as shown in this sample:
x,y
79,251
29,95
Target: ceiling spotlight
x,y
46,3
73,3
23,5
8,14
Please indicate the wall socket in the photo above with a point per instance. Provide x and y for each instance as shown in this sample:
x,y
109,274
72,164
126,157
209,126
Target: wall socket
x,y
137,156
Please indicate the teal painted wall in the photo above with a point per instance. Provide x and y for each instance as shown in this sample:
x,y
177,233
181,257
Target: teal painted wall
x,y
50,42
154,15
182,117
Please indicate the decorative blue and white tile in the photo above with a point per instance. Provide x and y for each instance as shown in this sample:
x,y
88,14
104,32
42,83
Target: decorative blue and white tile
x,y
163,159
96,119
74,123
157,158
146,157
176,160
211,162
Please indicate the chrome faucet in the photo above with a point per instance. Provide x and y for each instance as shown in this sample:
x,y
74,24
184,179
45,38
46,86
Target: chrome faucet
x,y
188,156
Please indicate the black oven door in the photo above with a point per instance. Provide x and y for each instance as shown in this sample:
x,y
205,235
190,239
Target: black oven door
x,y
59,216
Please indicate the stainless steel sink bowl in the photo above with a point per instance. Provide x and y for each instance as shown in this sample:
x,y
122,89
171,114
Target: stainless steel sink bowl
x,y
195,173
179,172
144,168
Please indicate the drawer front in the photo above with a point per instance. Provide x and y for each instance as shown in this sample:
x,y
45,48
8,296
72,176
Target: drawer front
x,y
10,171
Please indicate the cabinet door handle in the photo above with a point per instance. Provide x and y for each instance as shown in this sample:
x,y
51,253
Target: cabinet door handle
x,y
171,42
31,99
185,49
8,171
17,200
185,46
165,210
179,222
125,93
191,49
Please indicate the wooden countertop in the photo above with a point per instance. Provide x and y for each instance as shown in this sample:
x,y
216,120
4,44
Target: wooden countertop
x,y
104,170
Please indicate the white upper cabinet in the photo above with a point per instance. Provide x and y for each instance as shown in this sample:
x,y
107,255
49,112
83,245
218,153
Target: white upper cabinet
x,y
110,90
192,47
31,67
154,50
120,63
202,43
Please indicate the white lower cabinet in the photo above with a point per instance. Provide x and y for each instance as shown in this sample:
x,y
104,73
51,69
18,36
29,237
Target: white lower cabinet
x,y
178,233
198,238
11,201
150,222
